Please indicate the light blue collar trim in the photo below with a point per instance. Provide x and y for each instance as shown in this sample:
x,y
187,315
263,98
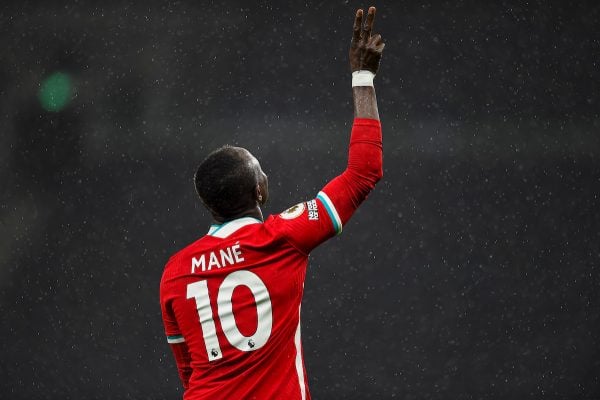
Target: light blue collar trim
x,y
226,229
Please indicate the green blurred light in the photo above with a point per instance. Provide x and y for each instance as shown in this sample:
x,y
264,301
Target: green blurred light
x,y
55,92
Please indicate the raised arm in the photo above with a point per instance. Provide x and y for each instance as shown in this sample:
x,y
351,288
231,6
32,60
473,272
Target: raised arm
x,y
340,198
365,157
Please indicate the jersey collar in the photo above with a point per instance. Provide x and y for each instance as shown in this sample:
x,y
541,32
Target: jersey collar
x,y
223,230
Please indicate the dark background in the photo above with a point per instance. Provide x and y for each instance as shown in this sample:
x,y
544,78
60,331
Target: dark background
x,y
471,271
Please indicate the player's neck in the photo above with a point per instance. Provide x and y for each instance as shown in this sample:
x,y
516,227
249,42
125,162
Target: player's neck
x,y
255,212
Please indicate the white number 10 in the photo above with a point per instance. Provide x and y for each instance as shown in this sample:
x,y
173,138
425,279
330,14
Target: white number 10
x,y
199,292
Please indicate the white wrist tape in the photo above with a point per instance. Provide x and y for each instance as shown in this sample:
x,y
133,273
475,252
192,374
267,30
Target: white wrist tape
x,y
362,78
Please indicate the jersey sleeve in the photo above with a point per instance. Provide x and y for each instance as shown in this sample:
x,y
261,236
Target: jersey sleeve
x,y
175,338
306,225
183,360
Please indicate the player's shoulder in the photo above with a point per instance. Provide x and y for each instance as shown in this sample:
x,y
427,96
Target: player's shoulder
x,y
304,212
292,219
276,223
292,212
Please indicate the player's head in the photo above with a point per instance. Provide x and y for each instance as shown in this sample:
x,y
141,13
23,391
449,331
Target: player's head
x,y
230,182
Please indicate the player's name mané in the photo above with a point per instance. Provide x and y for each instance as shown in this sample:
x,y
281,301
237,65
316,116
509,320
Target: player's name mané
x,y
218,259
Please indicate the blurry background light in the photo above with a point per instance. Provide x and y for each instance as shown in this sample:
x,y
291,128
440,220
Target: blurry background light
x,y
55,92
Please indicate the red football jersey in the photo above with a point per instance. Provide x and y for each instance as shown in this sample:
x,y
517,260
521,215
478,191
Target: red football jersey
x,y
231,300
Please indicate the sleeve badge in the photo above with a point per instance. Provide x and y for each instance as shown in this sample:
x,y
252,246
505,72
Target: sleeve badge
x,y
293,212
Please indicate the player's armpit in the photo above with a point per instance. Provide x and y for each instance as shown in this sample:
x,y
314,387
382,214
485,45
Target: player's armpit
x,y
183,360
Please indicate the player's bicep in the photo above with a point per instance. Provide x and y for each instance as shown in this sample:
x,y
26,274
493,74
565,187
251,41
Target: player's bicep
x,y
308,224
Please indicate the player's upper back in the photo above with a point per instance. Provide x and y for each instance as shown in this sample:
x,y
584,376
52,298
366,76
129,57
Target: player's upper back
x,y
233,296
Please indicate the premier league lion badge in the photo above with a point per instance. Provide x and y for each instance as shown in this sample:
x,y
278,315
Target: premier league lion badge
x,y
293,212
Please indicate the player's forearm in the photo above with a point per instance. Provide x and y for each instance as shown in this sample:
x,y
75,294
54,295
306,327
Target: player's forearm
x,y
365,102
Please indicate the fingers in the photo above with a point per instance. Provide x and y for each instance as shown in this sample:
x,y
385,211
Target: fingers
x,y
362,33
375,44
369,25
375,39
357,26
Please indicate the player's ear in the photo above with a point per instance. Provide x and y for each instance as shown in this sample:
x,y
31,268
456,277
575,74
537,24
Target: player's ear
x,y
258,195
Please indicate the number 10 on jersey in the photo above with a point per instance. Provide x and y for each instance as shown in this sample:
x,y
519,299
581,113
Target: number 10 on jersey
x,y
199,292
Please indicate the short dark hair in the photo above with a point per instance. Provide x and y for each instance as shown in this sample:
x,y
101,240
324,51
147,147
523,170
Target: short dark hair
x,y
226,180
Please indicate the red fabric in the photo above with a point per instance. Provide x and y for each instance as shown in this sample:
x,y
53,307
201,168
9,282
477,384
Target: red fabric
x,y
346,191
365,168
221,275
183,360
268,372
